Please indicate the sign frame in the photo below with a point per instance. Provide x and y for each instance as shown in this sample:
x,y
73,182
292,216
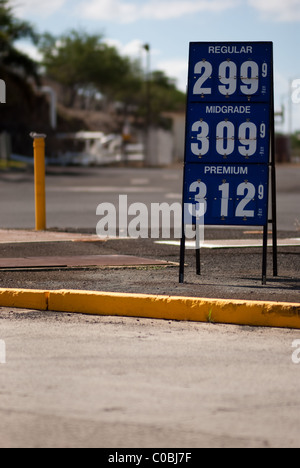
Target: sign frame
x,y
210,76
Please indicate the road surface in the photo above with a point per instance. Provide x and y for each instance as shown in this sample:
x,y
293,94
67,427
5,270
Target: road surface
x,y
83,381
73,194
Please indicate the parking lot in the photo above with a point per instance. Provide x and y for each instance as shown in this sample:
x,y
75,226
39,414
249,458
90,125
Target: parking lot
x,y
82,381
72,380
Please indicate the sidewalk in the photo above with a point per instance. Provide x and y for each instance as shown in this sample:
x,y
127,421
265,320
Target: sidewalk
x,y
228,273
150,268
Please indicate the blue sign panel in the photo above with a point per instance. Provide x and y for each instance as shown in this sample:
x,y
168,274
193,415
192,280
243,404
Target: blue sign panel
x,y
227,151
228,133
226,195
230,72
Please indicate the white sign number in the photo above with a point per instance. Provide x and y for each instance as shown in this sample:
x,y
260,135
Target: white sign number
x,y
205,70
246,190
226,138
228,77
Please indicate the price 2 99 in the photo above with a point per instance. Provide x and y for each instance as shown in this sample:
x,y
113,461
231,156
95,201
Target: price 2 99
x,y
231,77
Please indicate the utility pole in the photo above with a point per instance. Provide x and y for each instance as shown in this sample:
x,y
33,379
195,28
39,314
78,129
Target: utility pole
x,y
147,48
290,108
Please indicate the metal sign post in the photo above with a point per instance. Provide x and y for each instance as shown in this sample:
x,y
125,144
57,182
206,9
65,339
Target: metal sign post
x,y
229,150
39,180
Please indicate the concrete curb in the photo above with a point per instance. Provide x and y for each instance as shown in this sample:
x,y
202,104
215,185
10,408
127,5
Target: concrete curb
x,y
24,299
239,312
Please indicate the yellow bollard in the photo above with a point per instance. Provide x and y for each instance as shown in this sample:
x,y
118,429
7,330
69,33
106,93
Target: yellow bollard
x,y
39,180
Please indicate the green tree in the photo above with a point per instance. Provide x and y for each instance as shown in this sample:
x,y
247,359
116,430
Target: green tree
x,y
80,61
11,30
165,95
161,95
84,63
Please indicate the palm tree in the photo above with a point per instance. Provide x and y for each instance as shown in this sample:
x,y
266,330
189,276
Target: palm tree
x,y
11,30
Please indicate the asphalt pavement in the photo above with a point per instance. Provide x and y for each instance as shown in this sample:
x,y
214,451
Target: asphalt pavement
x,y
226,273
72,380
104,382
73,194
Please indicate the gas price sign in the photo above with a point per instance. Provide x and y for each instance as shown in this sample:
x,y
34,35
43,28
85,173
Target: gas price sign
x,y
235,72
227,150
229,145
228,195
228,133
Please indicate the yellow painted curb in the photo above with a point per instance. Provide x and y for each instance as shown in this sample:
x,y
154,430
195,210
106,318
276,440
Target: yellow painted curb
x,y
255,313
239,312
24,299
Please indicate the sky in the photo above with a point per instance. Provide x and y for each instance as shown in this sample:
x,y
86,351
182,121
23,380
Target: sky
x,y
169,25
